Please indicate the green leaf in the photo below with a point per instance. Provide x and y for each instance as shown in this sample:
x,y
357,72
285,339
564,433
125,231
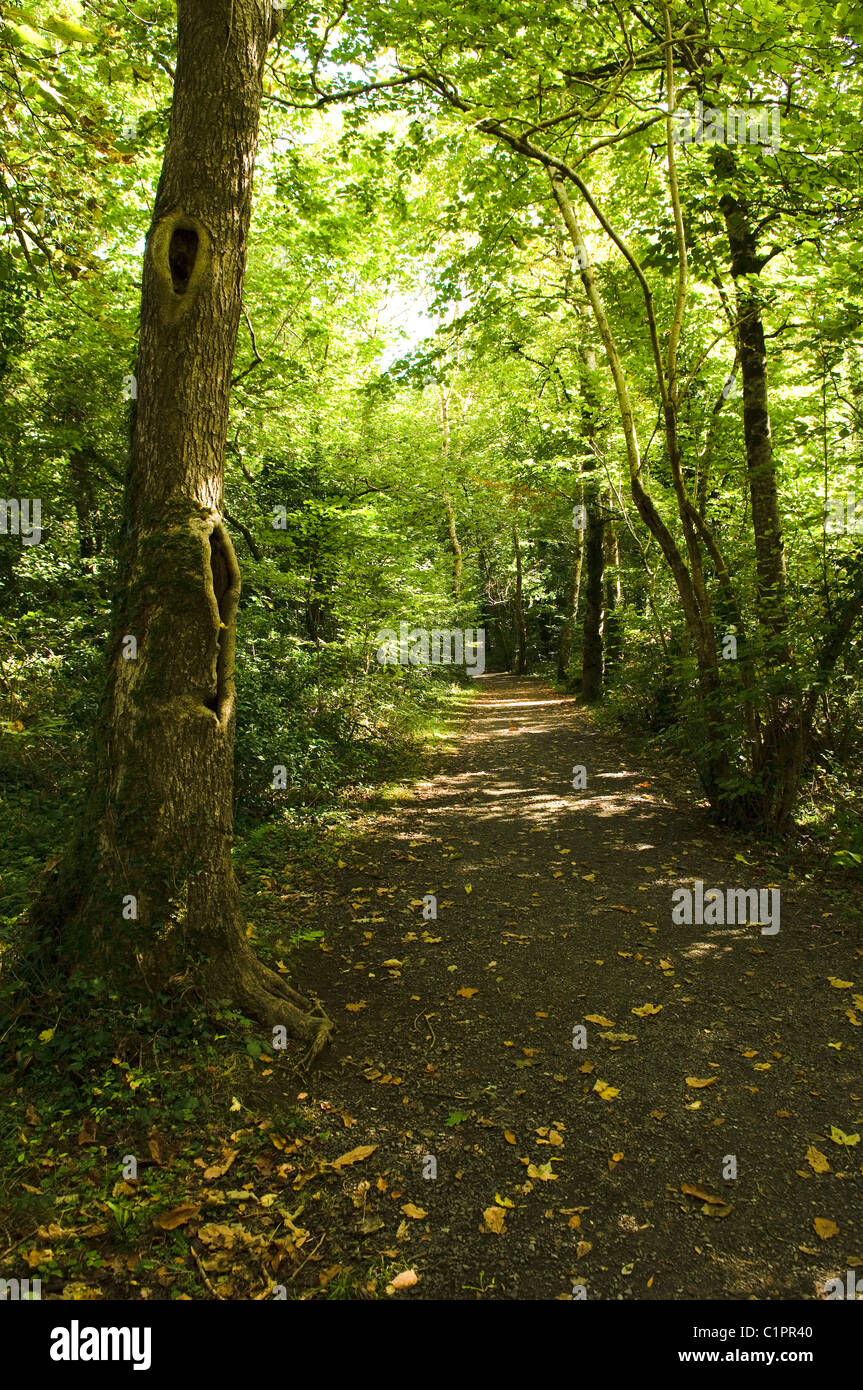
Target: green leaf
x,y
28,36
72,33
52,97
456,1117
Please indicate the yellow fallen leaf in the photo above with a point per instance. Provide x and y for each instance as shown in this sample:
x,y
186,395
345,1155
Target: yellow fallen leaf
x,y
46,1035
574,1222
598,1018
712,1208
840,984
839,1137
178,1216
646,1010
606,1092
542,1171
692,1189
554,1138
817,1160
393,964
509,1136
503,1201
466,992
699,1082
355,1008
468,888
493,1221
415,1213
218,1170
353,1156
825,1228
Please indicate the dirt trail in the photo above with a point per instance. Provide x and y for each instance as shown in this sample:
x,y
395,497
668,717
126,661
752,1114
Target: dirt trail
x,y
555,904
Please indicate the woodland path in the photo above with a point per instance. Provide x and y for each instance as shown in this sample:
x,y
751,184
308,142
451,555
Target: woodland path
x,y
555,904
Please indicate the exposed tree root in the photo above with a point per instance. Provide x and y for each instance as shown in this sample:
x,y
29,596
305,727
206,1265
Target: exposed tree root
x,y
265,996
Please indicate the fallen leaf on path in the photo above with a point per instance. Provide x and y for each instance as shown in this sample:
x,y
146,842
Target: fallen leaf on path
x,y
542,1171
598,1018
355,1008
217,1170
415,1213
178,1216
817,1160
405,1280
605,1091
839,1137
693,1190
646,1009
466,992
509,1136
825,1228
493,1221
353,1156
699,1082
840,984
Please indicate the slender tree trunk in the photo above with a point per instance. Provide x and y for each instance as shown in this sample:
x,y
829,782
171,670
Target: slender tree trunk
x,y
779,749
518,608
613,601
573,589
89,522
452,530
592,653
455,546
594,552
147,896
760,464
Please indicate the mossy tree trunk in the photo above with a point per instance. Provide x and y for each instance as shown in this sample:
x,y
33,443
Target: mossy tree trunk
x,y
147,896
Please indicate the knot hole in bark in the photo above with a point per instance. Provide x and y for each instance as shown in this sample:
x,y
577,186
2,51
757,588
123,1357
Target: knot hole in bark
x,y
182,254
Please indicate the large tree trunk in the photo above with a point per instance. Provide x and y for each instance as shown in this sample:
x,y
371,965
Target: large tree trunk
x,y
148,892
